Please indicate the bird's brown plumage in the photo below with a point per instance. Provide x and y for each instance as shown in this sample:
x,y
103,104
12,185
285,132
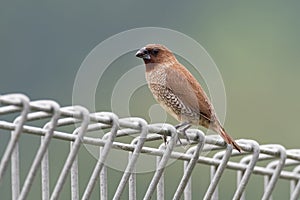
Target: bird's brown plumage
x,y
176,89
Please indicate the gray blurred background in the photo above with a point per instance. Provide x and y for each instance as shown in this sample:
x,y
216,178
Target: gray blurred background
x,y
255,44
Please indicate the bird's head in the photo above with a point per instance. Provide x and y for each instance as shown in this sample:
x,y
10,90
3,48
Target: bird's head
x,y
155,54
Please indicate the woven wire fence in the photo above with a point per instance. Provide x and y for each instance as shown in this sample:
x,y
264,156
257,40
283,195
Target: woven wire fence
x,y
46,121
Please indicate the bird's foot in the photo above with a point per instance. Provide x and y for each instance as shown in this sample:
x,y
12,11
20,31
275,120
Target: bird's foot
x,y
182,128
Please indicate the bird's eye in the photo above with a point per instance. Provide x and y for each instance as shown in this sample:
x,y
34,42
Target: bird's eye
x,y
155,52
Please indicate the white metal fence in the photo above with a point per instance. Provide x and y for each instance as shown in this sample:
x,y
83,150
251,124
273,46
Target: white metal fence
x,y
18,116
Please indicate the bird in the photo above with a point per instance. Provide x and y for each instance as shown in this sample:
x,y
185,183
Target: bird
x,y
178,91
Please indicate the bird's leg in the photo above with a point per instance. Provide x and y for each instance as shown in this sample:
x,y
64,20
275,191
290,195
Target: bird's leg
x,y
184,132
183,127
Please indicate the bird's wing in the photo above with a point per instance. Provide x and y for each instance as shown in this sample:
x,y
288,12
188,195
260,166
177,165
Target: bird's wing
x,y
183,84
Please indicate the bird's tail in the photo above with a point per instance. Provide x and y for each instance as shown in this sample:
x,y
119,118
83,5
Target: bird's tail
x,y
228,139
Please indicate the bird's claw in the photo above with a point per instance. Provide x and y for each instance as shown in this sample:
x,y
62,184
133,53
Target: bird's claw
x,y
182,128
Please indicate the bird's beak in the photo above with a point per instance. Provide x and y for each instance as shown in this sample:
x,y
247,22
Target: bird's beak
x,y
143,53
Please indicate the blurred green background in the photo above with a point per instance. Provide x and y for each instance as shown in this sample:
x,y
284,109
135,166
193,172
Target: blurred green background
x,y
255,44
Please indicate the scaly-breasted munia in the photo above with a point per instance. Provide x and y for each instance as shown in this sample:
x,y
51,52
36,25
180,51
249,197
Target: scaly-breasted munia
x,y
178,92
